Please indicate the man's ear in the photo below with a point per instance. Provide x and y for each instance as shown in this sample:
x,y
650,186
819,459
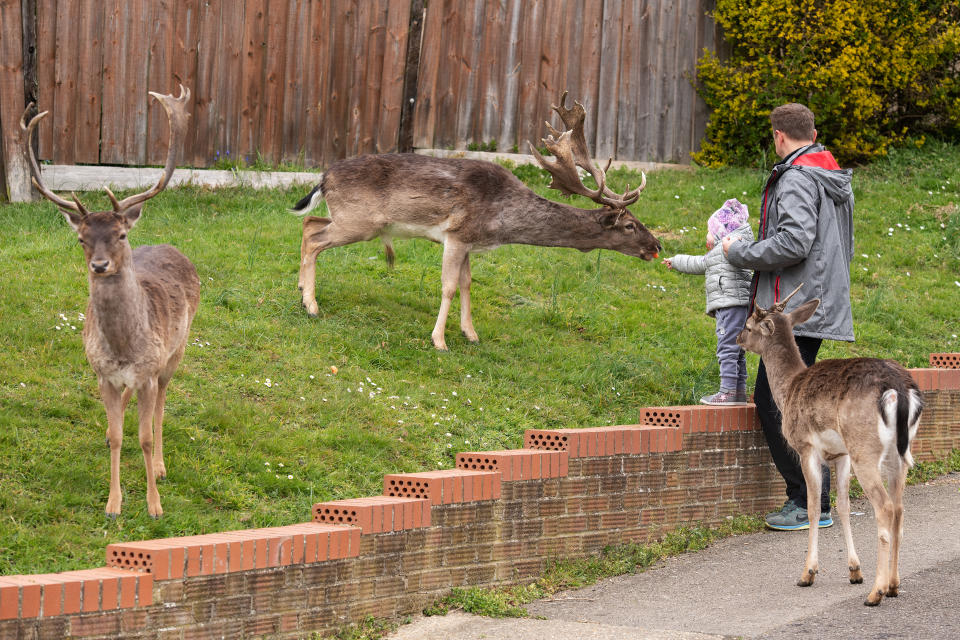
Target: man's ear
x,y
803,313
73,218
132,215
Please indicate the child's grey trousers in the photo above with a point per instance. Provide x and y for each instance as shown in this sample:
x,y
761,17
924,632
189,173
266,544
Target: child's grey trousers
x,y
733,361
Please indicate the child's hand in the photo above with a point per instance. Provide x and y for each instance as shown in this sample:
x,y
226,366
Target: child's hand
x,y
667,262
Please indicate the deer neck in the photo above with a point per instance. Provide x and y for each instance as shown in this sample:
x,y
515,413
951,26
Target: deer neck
x,y
117,311
783,363
541,222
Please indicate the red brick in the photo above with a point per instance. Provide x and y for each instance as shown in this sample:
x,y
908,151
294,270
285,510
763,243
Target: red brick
x,y
945,360
9,599
513,464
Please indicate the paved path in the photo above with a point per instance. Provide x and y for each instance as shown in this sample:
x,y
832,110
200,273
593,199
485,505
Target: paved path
x,y
744,587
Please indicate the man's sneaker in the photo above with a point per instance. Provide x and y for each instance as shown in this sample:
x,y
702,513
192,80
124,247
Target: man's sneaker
x,y
793,517
724,397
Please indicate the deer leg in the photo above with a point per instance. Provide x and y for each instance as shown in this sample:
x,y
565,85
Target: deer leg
x,y
146,404
453,256
320,234
896,482
113,402
159,469
311,244
870,480
843,510
466,313
811,474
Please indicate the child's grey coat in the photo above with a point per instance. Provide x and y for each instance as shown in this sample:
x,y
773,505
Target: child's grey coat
x,y
727,285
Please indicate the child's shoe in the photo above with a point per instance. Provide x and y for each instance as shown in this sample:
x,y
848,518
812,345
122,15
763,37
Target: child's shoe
x,y
742,396
724,397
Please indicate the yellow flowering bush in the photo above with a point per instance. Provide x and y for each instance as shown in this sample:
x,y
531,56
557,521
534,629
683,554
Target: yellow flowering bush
x,y
872,72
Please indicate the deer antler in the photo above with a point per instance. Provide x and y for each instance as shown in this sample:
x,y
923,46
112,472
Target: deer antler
x,y
177,116
570,150
780,306
36,178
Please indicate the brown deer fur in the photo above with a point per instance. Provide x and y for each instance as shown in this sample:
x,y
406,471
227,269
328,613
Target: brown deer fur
x,y
468,206
142,302
860,413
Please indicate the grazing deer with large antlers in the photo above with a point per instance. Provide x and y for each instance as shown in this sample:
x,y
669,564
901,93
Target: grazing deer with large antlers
x,y
859,412
141,305
468,206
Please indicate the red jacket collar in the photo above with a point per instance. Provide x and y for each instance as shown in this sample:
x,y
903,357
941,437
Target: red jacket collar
x,y
822,159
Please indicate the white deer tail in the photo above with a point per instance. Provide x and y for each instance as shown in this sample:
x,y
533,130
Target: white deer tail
x,y
309,202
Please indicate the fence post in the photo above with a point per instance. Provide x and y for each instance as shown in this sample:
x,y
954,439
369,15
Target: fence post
x,y
410,77
13,56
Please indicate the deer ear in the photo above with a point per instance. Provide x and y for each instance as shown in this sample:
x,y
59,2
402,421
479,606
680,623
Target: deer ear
x,y
608,219
73,218
803,313
132,215
766,327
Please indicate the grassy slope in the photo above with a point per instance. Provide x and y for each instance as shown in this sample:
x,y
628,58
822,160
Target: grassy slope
x,y
567,339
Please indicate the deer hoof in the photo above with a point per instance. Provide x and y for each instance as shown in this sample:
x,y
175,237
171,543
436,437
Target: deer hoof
x,y
856,577
873,599
893,591
111,516
806,579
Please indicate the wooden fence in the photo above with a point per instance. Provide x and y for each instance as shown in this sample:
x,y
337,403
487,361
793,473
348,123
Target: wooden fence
x,y
318,80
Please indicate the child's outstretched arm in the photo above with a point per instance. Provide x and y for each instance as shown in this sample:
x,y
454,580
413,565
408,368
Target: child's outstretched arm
x,y
696,265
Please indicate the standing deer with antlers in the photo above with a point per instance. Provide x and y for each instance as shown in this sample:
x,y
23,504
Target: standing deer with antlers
x,y
859,412
468,206
142,302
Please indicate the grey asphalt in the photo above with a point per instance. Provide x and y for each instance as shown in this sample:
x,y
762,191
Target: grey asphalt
x,y
744,587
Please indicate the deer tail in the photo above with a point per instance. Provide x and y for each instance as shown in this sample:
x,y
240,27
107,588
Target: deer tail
x,y
309,202
901,411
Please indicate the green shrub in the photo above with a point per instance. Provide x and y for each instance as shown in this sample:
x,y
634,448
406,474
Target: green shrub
x,y
872,72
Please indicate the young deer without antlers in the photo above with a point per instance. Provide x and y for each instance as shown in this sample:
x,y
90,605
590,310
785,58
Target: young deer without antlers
x,y
859,412
468,206
141,305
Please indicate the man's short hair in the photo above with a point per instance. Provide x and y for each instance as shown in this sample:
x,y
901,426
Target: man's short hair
x,y
793,119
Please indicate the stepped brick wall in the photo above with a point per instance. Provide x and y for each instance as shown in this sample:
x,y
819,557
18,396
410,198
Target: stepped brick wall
x,y
499,517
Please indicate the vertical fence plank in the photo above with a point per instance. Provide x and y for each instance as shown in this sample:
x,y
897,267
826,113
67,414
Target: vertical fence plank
x,y
46,57
14,169
89,65
271,123
450,73
252,92
386,137
373,34
64,117
472,44
549,86
510,78
318,84
182,69
626,145
527,117
134,95
205,116
606,140
667,80
424,111
162,25
591,93
297,45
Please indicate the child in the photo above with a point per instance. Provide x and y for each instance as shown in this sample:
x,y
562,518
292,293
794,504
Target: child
x,y
728,298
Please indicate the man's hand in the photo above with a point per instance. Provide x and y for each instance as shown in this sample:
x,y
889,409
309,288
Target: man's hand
x,y
727,242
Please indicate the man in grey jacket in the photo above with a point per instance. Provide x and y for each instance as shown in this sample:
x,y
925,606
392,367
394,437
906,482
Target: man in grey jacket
x,y
806,237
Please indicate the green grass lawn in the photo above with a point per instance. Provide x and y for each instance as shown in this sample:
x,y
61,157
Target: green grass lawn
x,y
258,427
